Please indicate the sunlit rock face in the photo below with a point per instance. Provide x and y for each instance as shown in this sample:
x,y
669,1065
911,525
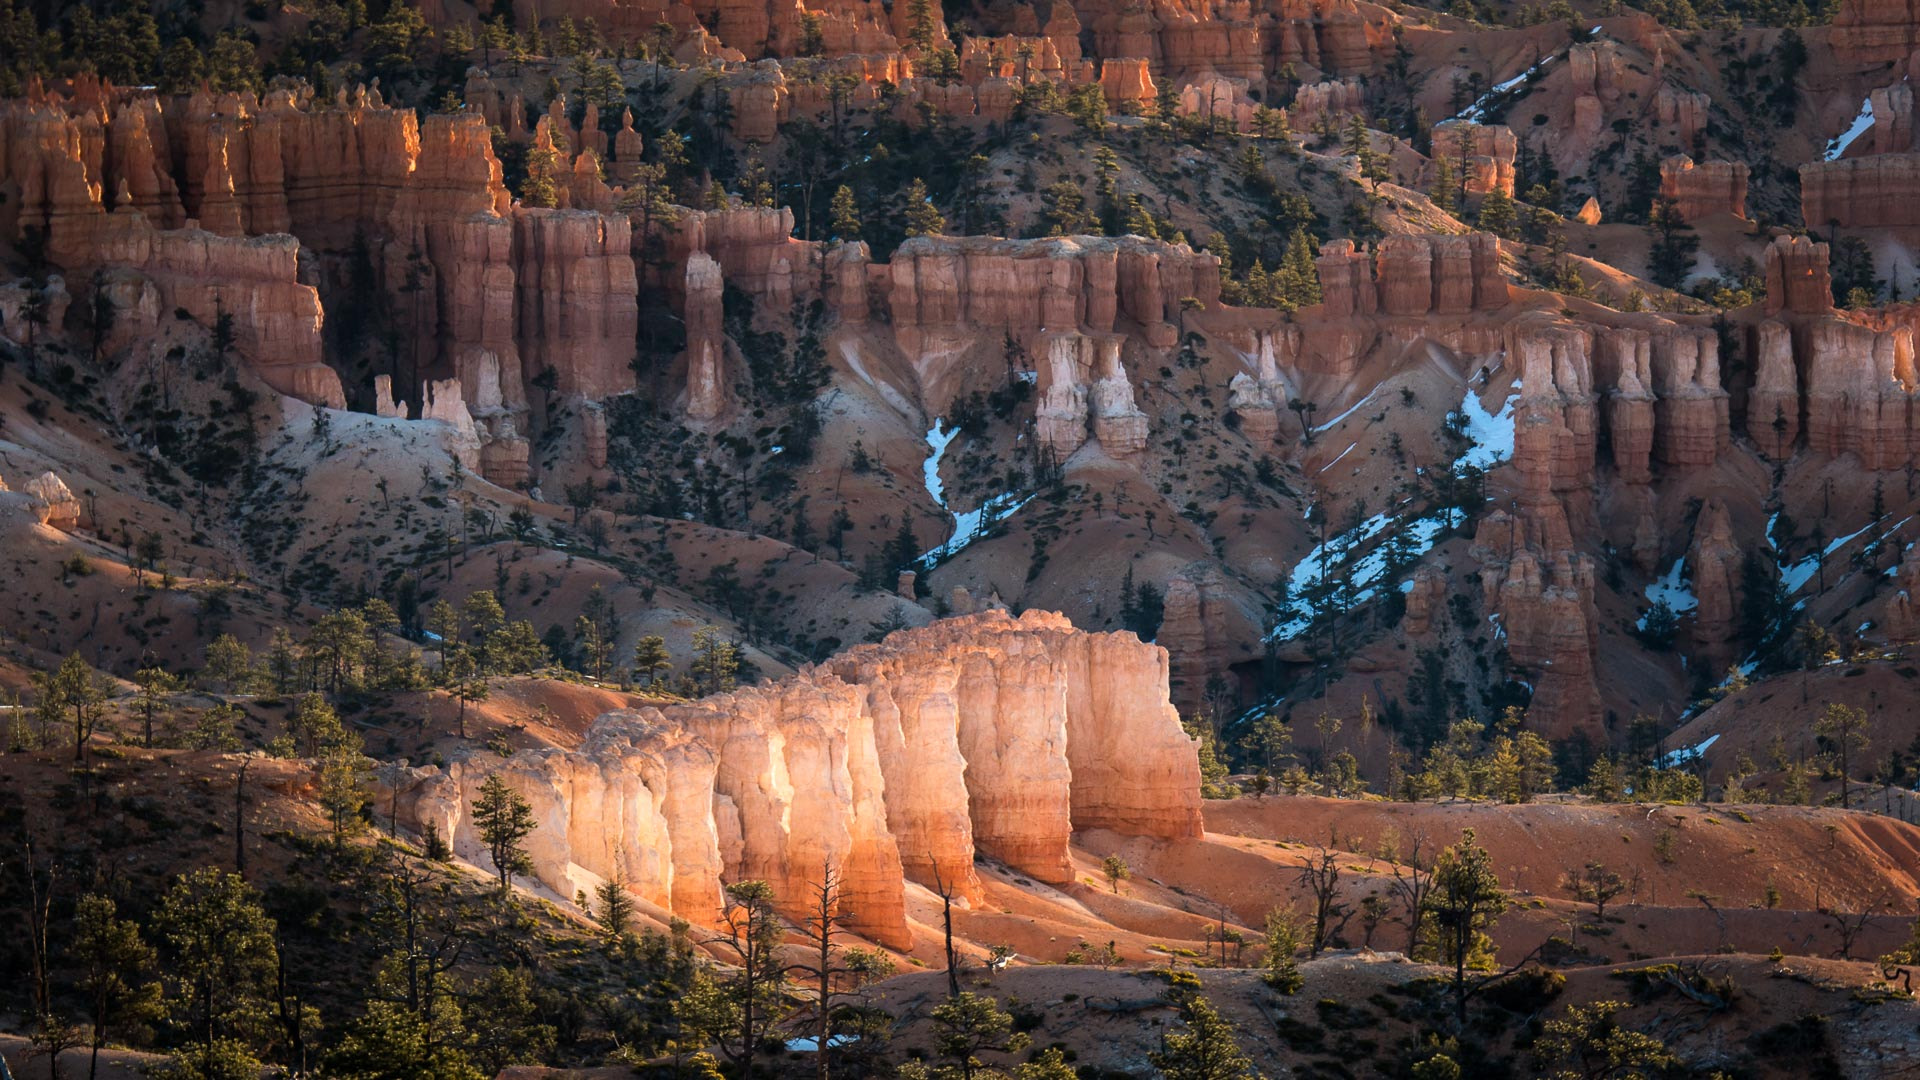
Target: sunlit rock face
x,y
891,762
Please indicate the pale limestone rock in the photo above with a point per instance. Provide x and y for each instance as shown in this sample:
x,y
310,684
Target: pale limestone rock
x,y
54,504
890,762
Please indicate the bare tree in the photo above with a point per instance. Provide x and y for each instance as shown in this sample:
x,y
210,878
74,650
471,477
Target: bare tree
x,y
1847,925
1412,883
821,929
946,918
1593,884
1321,876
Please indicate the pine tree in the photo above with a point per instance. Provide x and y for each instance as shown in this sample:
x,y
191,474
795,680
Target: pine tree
x,y
716,661
920,24
923,218
1284,935
615,911
504,820
1299,276
1204,1048
1497,214
650,658
1465,900
220,957
114,963
846,215
1442,190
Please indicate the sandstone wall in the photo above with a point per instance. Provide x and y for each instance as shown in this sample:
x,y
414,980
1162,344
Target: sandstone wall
x,y
1703,190
1867,192
891,762
1875,31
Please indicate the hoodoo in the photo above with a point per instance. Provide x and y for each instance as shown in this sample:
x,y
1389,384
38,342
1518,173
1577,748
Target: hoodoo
x,y
981,735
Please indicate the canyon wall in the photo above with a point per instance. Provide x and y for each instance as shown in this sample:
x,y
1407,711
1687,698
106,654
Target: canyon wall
x,y
1866,192
893,762
1701,191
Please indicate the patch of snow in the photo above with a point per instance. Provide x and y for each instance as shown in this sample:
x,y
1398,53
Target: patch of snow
x,y
776,450
1027,376
1336,460
809,1044
1672,588
1492,433
1476,112
971,525
967,526
938,439
1861,124
1351,409
1361,575
1673,759
1793,576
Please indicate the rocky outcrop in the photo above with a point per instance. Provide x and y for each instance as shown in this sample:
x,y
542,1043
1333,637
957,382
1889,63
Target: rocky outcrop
x,y
1773,404
1439,275
1691,412
1861,193
1483,154
891,762
1700,191
1684,111
1409,275
578,300
1127,85
1797,277
275,317
1892,130
1546,611
1253,408
53,503
1875,31
1192,629
1900,612
1083,384
708,394
1625,369
1117,422
948,287
1858,391
18,298
1713,567
1426,599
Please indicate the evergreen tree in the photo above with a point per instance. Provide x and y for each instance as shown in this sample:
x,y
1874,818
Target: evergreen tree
x,y
922,217
846,215
1284,935
650,658
220,965
114,964
967,1025
1845,729
1204,1048
1670,258
715,666
504,820
1441,192
920,25
1497,214
1465,900
74,694
1298,276
615,910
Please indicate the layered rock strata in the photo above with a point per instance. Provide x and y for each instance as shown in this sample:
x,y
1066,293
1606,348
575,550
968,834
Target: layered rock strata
x,y
890,763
